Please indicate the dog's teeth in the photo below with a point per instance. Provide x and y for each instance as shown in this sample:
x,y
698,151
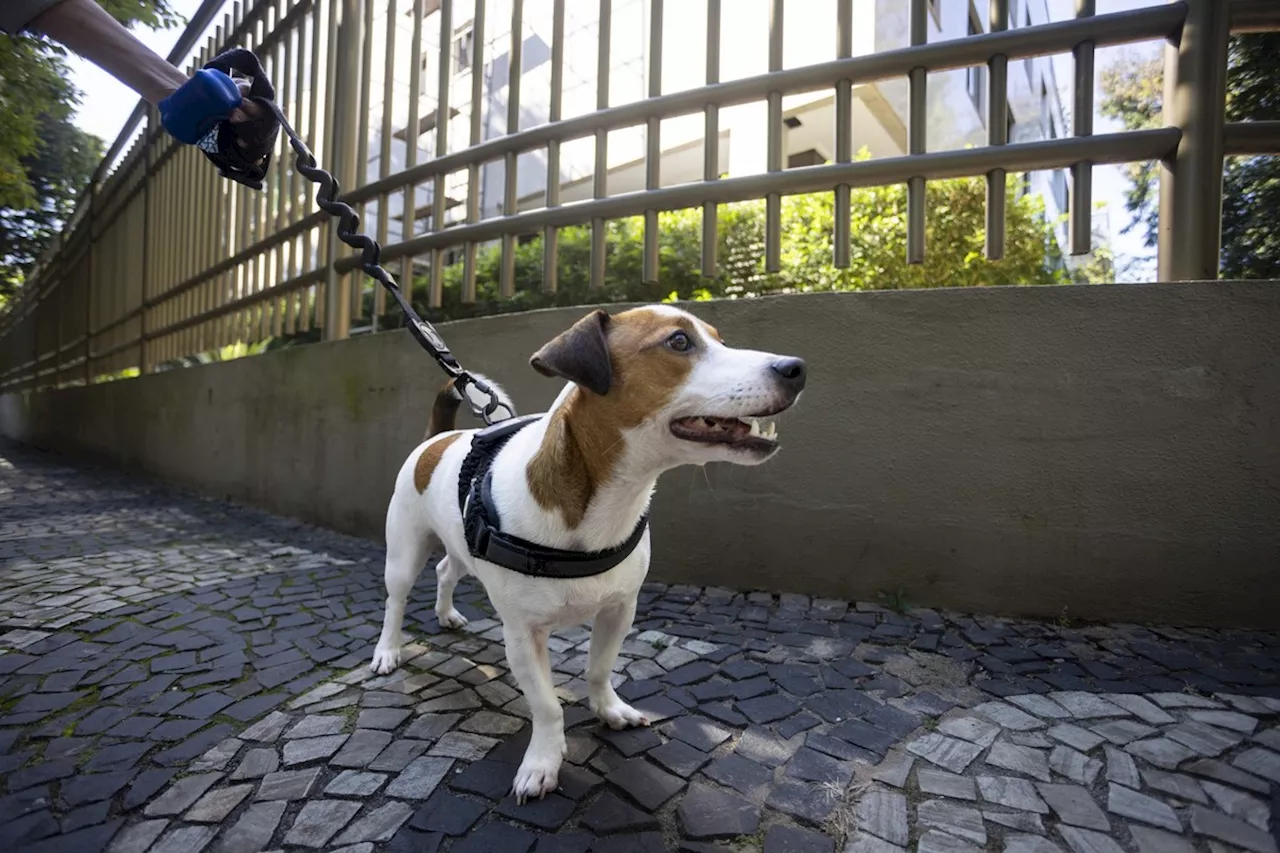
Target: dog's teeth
x,y
755,427
773,430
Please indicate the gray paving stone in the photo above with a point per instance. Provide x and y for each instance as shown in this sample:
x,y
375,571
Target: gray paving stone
x,y
182,794
1160,751
1076,766
185,839
267,729
1135,806
1041,706
1179,785
1239,805
1183,700
354,783
1019,821
765,746
491,723
1223,772
214,806
361,748
953,819
1076,737
310,749
253,830
1085,706
378,825
316,725
948,753
645,783
1204,740
1029,844
1215,825
894,770
138,838
1009,717
1011,792
871,844
883,814
1073,805
1019,759
256,764
1260,762
287,784
1121,732
1087,841
382,718
942,784
940,842
1233,720
710,813
420,777
1148,712
319,821
971,729
1158,841
397,756
463,745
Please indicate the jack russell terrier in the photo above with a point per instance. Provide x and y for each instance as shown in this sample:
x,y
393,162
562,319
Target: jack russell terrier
x,y
550,511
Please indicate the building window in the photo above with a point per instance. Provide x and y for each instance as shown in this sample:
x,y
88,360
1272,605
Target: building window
x,y
463,49
975,78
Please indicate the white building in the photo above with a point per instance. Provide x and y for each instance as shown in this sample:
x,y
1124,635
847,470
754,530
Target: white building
x,y
956,100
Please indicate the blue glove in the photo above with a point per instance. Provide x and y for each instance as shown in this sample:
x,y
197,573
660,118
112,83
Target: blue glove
x,y
199,105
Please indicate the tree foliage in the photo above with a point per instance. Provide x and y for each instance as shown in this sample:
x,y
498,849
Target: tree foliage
x,y
42,155
1133,94
955,224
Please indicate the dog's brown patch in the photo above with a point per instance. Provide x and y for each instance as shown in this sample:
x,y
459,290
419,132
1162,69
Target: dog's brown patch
x,y
429,459
584,438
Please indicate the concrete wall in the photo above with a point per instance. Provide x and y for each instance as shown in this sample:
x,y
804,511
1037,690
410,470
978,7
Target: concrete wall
x,y
1103,452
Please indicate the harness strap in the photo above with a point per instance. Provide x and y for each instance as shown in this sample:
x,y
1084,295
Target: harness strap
x,y
482,525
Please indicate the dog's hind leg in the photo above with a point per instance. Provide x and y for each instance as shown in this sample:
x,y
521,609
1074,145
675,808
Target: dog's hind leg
x,y
530,663
607,633
448,573
409,544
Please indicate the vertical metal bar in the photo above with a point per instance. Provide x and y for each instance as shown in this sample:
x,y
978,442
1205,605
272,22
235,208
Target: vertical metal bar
x,y
384,151
551,236
711,144
284,203
90,221
600,177
409,211
653,145
773,201
1191,183
1080,219
998,133
435,295
507,273
844,135
916,117
150,218
361,166
477,129
342,93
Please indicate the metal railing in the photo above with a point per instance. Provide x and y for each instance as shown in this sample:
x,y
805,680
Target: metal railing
x,y
164,259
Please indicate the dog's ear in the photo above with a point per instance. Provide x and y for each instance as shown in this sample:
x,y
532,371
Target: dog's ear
x,y
580,354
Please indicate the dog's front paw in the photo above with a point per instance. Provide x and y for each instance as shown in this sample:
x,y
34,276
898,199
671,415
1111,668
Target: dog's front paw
x,y
619,715
451,618
538,775
385,659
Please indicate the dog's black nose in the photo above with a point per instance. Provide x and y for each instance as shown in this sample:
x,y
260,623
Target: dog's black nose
x,y
791,372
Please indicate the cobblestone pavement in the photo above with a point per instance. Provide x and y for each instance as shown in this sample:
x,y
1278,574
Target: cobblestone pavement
x,y
180,675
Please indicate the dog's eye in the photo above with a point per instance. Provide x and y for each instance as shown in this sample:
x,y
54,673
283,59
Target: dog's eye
x,y
680,342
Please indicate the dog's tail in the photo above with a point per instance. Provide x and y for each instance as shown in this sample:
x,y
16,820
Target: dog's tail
x,y
444,413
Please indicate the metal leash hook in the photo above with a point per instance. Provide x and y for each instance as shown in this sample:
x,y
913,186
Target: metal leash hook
x,y
244,62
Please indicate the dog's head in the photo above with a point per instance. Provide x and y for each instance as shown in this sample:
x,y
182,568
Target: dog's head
x,y
666,382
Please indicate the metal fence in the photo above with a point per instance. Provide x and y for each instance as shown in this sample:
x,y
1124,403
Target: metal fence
x,y
164,259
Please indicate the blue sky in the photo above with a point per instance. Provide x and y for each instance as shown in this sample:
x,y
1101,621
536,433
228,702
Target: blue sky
x,y
107,104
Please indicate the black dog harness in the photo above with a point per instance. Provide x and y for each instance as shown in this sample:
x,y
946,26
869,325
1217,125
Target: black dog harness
x,y
483,528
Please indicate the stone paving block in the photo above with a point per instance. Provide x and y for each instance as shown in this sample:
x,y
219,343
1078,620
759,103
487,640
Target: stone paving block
x,y
1018,843
1151,840
941,842
1075,806
463,745
1215,825
1260,762
1019,821
782,838
316,725
1160,751
214,806
547,813
948,753
942,784
1140,807
288,784
1009,717
1011,792
710,813
138,838
1179,785
182,794
1088,841
1076,766
971,729
1020,759
310,749
378,825
420,777
185,839
319,821
609,815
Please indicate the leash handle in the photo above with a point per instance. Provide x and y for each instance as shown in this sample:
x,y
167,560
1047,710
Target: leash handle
x,y
263,93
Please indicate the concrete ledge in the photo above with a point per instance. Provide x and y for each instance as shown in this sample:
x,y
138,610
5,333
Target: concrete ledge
x,y
1099,452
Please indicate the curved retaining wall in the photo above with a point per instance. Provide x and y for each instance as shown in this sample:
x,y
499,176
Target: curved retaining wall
x,y
1094,452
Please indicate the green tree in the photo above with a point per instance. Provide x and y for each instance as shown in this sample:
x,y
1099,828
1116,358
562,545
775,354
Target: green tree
x,y
1133,94
41,153
955,232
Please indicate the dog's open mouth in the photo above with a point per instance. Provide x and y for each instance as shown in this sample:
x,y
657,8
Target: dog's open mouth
x,y
755,434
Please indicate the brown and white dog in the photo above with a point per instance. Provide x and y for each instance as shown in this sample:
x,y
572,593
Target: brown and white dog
x,y
649,389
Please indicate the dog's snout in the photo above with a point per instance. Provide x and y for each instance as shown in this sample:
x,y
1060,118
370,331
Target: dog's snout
x,y
791,372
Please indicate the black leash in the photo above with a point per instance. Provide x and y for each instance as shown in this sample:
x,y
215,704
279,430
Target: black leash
x,y
235,165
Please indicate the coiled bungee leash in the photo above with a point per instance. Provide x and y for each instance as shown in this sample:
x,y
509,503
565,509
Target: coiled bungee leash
x,y
196,113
